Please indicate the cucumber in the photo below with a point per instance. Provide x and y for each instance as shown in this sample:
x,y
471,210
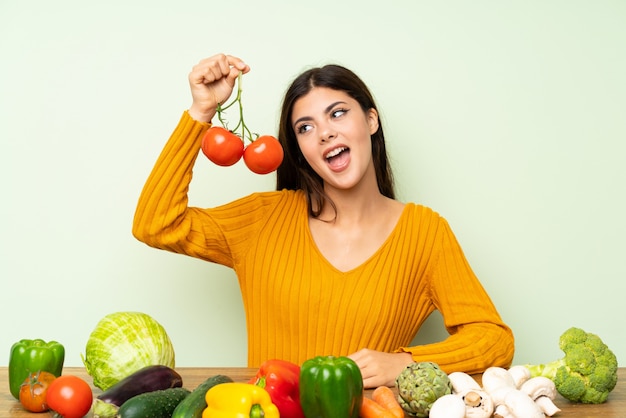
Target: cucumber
x,y
144,380
155,404
193,405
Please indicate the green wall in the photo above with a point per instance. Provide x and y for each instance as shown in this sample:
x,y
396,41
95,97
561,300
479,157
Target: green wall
x,y
505,117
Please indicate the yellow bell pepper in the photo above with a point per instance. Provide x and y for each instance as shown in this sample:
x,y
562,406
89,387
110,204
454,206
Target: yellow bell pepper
x,y
239,400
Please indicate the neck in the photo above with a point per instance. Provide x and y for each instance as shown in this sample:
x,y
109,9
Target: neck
x,y
352,206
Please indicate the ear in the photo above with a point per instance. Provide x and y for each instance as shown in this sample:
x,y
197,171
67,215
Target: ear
x,y
372,120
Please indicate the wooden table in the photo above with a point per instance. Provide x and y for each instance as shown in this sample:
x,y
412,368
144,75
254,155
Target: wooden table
x,y
615,407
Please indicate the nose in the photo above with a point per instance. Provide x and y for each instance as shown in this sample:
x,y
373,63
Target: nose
x,y
327,134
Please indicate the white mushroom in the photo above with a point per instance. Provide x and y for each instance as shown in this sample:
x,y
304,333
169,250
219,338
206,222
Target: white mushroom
x,y
478,403
498,396
447,406
495,378
475,402
539,386
543,391
510,401
520,375
547,406
502,411
462,382
522,406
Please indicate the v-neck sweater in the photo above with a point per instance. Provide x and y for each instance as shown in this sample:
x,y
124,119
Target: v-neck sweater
x,y
297,304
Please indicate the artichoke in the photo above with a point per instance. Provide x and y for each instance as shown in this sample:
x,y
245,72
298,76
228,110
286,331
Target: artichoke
x,y
420,385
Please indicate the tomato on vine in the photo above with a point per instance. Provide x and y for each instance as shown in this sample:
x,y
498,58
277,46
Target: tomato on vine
x,y
263,155
221,146
70,396
33,391
224,147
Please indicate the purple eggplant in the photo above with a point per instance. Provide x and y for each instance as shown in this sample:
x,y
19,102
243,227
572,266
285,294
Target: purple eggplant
x,y
147,379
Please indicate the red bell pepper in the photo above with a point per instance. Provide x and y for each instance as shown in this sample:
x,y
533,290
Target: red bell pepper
x,y
281,379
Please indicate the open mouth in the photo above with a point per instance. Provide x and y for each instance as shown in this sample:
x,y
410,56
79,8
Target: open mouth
x,y
336,153
338,157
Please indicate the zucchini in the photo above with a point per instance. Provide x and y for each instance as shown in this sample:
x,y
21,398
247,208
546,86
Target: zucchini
x,y
155,404
147,379
193,405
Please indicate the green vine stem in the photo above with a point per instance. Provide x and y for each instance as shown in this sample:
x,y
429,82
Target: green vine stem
x,y
245,132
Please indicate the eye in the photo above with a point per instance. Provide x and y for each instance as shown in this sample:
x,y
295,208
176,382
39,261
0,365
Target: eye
x,y
300,129
338,112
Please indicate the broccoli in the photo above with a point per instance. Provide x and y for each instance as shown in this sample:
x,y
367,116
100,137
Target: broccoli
x,y
587,373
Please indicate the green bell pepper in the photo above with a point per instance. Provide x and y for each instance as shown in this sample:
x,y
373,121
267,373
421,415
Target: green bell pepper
x,y
331,387
31,356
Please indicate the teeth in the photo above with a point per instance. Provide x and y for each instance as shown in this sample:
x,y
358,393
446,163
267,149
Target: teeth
x,y
336,151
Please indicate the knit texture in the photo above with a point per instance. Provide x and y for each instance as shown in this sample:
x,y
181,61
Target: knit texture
x,y
297,304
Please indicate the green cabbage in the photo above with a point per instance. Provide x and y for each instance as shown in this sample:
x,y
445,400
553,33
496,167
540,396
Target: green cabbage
x,y
122,343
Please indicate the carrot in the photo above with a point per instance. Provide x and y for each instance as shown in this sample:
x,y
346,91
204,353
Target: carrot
x,y
384,396
371,409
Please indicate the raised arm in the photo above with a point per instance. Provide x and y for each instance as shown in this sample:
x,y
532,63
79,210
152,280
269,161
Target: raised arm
x,y
162,218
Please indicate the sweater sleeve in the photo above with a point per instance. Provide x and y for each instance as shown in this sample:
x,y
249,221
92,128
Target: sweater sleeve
x,y
478,336
162,218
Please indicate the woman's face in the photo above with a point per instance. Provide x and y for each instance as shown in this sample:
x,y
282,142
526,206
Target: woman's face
x,y
334,135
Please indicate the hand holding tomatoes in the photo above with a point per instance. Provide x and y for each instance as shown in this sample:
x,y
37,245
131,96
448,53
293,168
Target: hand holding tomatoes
x,y
224,147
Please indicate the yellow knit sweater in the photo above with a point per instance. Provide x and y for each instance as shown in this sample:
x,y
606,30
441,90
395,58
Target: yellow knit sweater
x,y
297,304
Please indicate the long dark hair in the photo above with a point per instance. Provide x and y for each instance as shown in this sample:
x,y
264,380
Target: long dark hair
x,y
295,173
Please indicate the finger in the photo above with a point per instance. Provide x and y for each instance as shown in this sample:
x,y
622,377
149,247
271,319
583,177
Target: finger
x,y
367,371
372,382
238,63
209,71
215,68
358,356
221,65
354,357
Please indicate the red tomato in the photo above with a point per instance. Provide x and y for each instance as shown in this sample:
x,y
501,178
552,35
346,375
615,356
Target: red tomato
x,y
263,155
222,146
33,391
70,396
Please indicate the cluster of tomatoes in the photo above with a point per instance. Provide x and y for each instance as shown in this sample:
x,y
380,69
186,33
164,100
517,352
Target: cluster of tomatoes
x,y
224,147
67,395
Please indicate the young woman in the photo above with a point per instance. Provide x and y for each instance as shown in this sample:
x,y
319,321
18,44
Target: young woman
x,y
329,263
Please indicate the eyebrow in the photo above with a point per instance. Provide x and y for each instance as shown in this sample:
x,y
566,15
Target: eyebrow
x,y
328,109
